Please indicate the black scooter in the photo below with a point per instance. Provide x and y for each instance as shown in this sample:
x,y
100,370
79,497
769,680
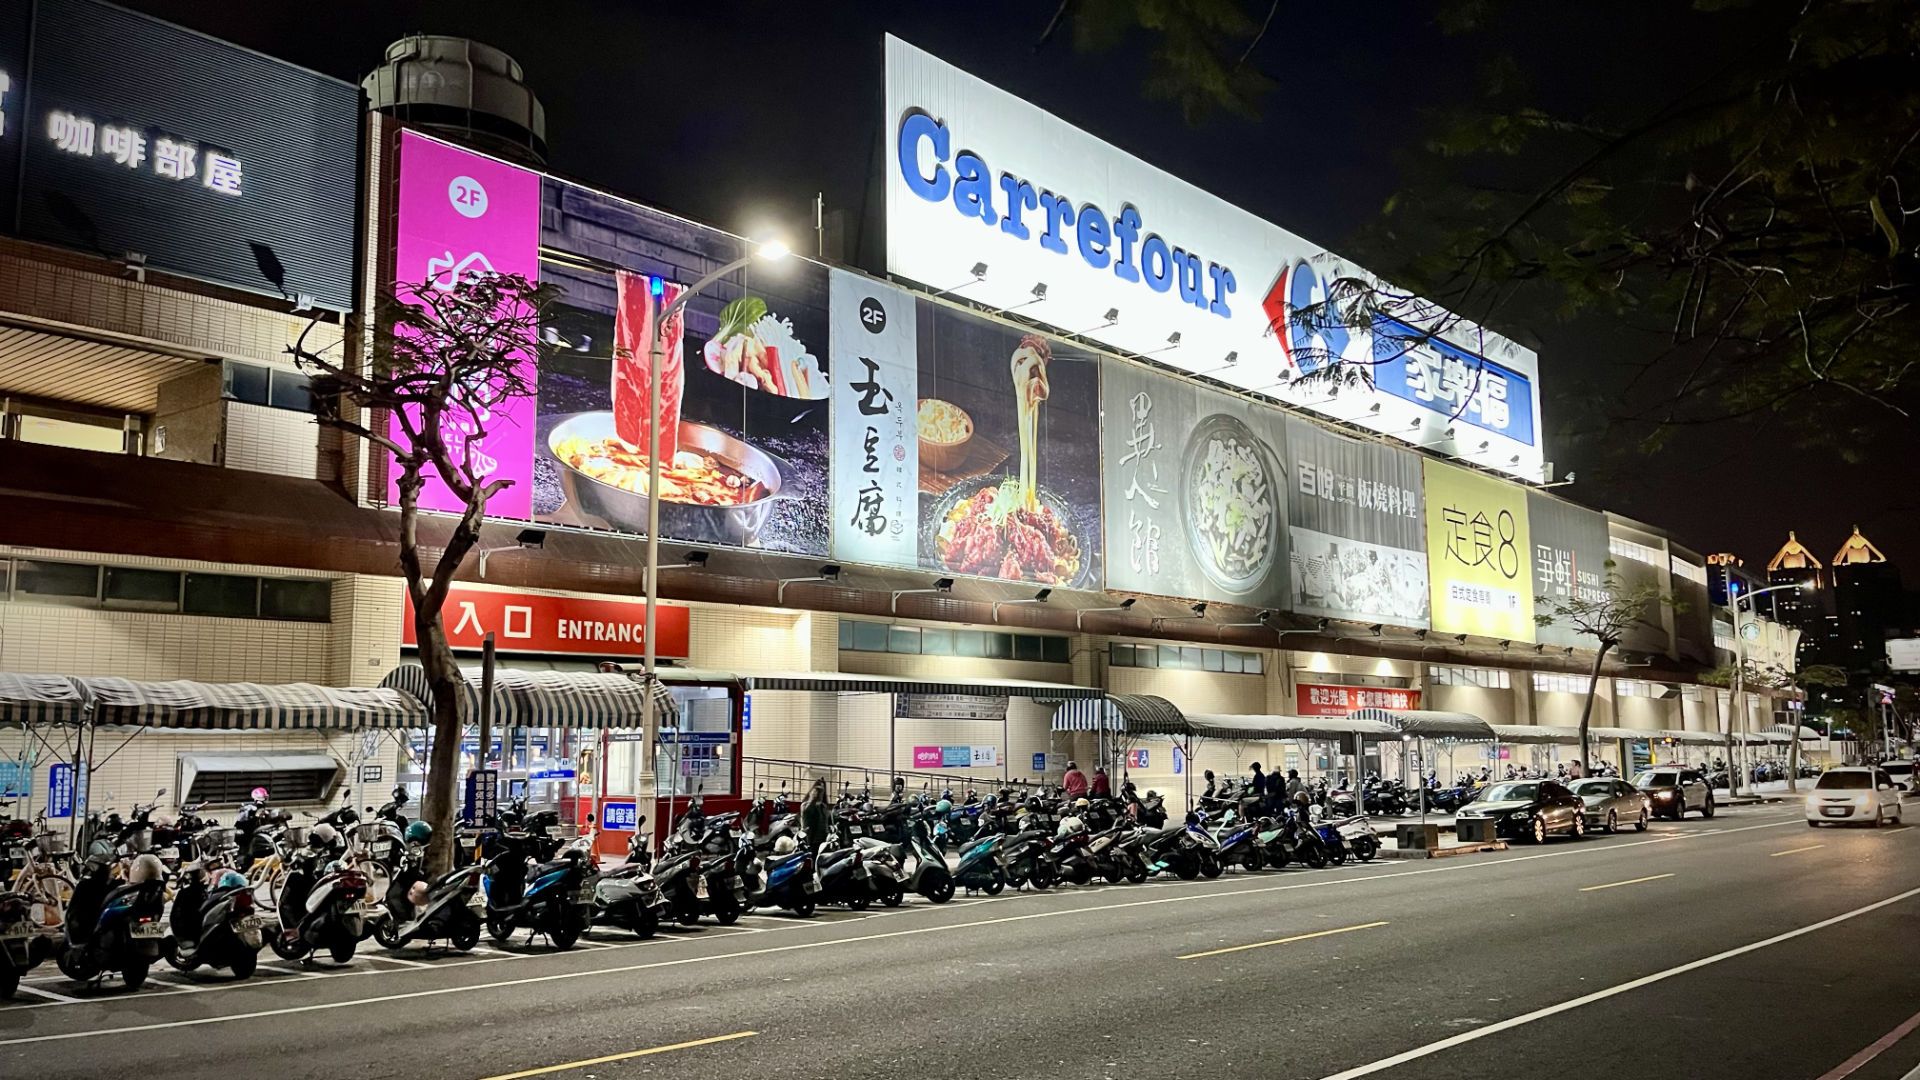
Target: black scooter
x,y
22,946
113,927
320,908
549,899
446,909
214,927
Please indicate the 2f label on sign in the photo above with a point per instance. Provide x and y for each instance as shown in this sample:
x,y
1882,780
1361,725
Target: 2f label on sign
x,y
873,316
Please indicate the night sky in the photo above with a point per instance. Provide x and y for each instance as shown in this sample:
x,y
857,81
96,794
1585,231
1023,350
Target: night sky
x,y
737,113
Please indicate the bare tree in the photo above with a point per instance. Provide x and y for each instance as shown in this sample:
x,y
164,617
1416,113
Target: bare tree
x,y
1605,616
443,362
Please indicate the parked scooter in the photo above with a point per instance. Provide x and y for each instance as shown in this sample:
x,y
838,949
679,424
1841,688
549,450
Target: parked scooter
x,y
215,925
113,927
448,909
321,903
549,899
979,866
930,876
22,946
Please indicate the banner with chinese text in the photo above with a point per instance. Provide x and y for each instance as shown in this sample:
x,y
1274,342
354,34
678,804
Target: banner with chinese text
x,y
1356,534
1477,554
1195,489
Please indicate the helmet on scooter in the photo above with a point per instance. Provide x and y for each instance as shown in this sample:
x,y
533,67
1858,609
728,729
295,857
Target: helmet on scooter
x,y
944,806
146,868
419,832
232,879
323,835
1081,804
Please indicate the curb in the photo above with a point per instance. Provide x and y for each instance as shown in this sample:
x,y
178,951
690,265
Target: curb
x,y
1441,852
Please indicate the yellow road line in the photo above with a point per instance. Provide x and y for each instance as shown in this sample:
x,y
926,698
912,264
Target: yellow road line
x,y
1795,851
1630,881
649,1051
1281,941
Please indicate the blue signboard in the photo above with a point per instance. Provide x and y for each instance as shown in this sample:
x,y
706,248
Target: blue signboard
x,y
60,790
1179,761
696,738
483,795
16,779
746,713
1039,763
1451,381
956,757
620,816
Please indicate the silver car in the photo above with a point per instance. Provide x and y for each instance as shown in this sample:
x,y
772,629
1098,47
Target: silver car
x,y
1612,803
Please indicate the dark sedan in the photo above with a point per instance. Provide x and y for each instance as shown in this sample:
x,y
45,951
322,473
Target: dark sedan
x,y
1529,810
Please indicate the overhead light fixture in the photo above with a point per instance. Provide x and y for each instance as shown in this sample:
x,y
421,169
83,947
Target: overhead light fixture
x,y
534,539
1420,635
1231,359
1540,648
1260,618
828,573
1039,291
1374,629
1039,597
1124,605
976,275
692,560
1199,608
1506,646
1322,624
940,585
1460,639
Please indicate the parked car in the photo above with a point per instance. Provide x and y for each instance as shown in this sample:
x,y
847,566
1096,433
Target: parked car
x,y
1854,795
1529,810
1900,770
1674,791
1612,802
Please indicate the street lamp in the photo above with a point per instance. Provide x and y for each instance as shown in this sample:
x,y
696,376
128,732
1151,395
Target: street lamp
x,y
772,250
1737,687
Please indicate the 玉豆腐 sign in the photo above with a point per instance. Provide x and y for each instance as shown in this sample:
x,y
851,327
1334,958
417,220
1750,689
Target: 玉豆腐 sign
x,y
1009,206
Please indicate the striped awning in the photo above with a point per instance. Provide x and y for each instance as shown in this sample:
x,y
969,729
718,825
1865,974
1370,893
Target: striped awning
x,y
38,699
249,706
1430,723
561,699
851,682
1541,734
1254,727
1135,714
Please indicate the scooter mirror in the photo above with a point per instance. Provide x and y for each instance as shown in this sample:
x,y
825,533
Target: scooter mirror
x,y
159,793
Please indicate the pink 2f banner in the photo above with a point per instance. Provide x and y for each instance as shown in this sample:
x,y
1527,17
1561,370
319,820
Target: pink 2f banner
x,y
461,213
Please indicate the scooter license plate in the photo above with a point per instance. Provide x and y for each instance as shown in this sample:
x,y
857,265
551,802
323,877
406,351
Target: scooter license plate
x,y
813,885
700,889
479,902
250,923
155,929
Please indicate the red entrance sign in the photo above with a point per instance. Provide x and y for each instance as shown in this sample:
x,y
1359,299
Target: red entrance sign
x,y
1315,699
573,625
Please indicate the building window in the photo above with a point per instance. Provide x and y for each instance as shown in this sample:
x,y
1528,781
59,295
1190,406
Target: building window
x,y
1547,682
1490,678
859,635
129,588
56,583
1641,553
273,388
1227,661
296,600
142,590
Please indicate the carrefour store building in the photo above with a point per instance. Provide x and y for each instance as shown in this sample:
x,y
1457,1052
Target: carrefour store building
x,y
925,525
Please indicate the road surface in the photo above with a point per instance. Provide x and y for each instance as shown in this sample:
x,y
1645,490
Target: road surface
x,y
1746,946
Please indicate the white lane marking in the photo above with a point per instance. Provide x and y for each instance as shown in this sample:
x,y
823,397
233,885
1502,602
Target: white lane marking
x,y
278,970
493,956
1631,985
50,994
769,950
402,962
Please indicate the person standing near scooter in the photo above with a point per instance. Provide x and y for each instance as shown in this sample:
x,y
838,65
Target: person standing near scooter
x,y
1074,784
815,817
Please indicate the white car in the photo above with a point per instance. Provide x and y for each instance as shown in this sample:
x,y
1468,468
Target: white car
x,y
1854,795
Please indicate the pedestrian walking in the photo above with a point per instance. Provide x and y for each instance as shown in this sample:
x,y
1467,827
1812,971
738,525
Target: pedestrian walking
x,y
1074,784
1102,785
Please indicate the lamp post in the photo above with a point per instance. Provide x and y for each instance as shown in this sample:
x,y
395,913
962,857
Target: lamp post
x,y
771,251
1737,687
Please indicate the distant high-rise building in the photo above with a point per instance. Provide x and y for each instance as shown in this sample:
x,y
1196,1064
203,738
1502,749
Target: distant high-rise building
x,y
1867,602
1793,564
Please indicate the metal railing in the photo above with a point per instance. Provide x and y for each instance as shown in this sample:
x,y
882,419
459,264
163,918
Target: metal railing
x,y
800,775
